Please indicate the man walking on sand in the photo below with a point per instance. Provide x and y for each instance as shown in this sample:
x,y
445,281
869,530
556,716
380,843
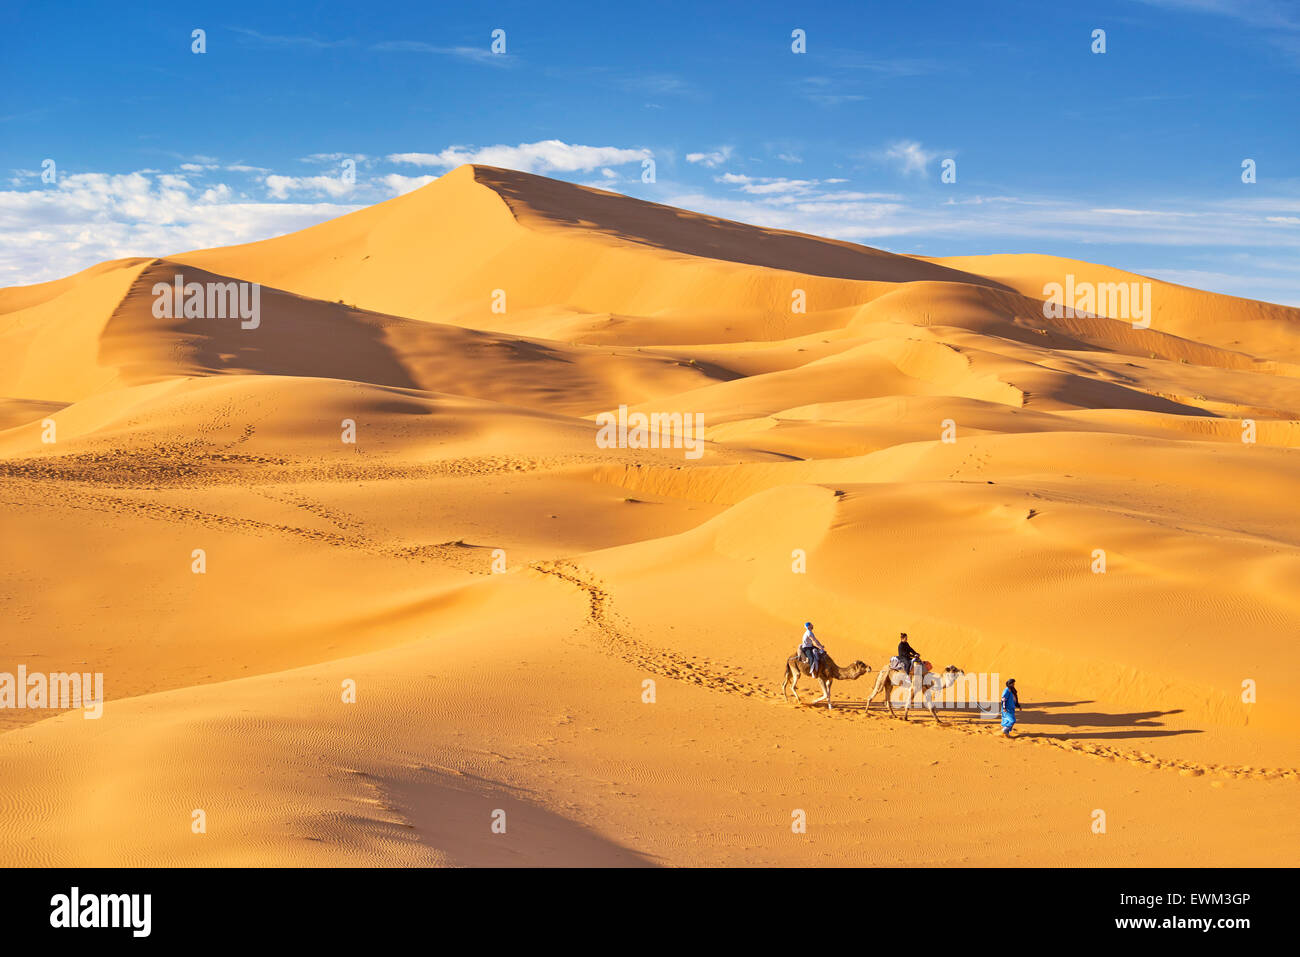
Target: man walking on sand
x,y
1010,702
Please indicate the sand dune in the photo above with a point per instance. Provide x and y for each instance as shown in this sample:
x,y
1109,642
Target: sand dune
x,y
398,488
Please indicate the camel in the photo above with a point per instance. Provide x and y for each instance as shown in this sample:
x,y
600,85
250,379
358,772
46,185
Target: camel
x,y
889,679
795,666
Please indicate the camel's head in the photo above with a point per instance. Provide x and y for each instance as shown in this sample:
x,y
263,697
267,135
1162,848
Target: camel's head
x,y
859,668
943,679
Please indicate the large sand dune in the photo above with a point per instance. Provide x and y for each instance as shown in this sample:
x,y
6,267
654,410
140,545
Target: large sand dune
x,y
925,448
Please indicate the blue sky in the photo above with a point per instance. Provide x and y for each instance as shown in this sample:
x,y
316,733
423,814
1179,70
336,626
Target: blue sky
x,y
1130,157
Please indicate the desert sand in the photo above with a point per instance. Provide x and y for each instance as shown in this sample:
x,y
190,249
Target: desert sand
x,y
591,639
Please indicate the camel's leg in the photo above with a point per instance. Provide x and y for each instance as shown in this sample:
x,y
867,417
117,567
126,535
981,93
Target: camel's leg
x,y
794,686
784,682
889,697
928,699
911,693
882,682
826,693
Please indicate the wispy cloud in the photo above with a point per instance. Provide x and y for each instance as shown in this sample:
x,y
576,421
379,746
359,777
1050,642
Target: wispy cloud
x,y
279,187
712,158
336,157
999,222
307,42
825,91
481,55
907,156
766,185
657,84
541,157
1278,20
847,72
886,66
470,54
1268,14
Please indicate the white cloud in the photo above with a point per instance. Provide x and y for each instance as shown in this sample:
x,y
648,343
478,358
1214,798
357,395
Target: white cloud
x,y
400,184
711,159
1271,285
1003,223
53,231
778,185
335,158
541,157
908,155
279,187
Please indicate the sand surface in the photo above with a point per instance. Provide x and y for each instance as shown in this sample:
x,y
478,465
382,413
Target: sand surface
x,y
591,640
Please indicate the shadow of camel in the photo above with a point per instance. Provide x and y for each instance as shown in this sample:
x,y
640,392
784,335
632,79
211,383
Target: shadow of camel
x,y
1029,714
1116,735
1058,704
1127,725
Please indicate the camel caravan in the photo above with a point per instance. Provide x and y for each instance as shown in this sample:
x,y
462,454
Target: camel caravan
x,y
905,671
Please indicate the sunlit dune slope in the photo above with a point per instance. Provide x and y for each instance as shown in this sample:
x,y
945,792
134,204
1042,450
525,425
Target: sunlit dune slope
x,y
610,270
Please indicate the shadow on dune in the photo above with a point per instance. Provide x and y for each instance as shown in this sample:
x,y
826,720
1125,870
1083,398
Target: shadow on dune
x,y
310,338
1135,724
695,234
1094,719
1114,735
452,813
1060,704
295,337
